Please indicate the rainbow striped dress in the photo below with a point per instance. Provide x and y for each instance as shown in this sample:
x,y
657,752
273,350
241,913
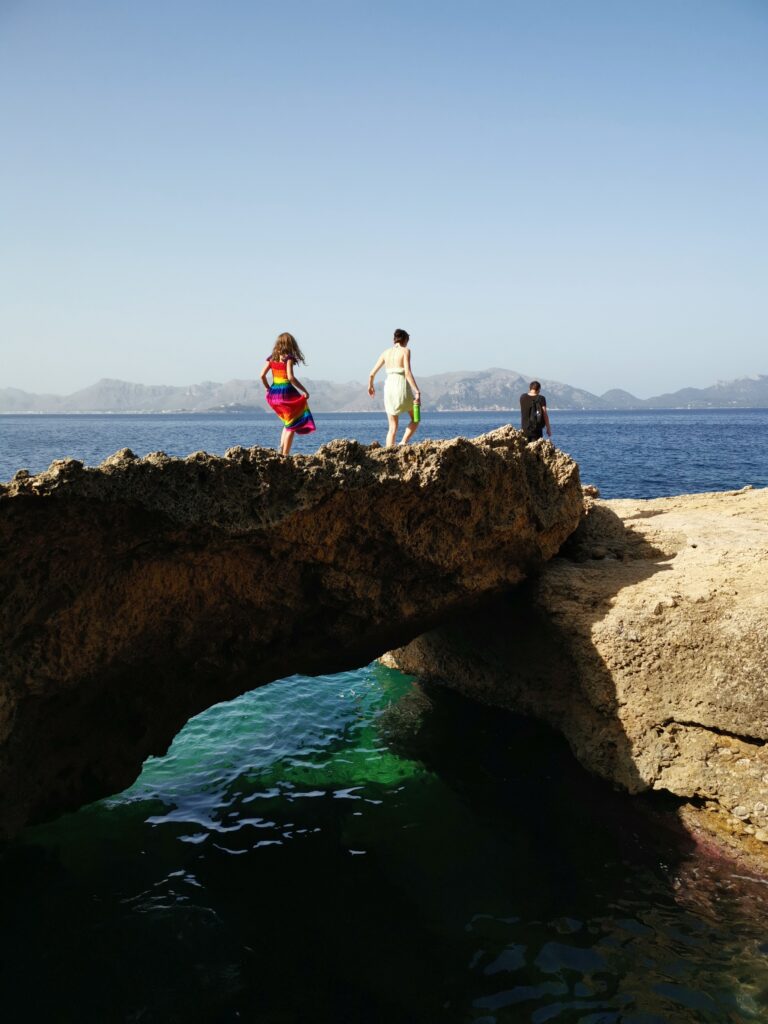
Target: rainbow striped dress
x,y
289,404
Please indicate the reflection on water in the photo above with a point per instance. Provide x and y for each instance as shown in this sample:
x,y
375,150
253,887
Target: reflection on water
x,y
350,848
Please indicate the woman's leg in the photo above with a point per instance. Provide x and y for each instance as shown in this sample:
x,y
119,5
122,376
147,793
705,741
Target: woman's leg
x,y
392,430
410,430
286,440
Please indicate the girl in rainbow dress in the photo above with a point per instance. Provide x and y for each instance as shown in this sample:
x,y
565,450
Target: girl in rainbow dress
x,y
287,395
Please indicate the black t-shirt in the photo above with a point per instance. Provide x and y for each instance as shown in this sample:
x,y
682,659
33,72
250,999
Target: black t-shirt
x,y
526,401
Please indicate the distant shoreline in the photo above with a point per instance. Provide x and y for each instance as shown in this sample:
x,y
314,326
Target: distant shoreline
x,y
471,391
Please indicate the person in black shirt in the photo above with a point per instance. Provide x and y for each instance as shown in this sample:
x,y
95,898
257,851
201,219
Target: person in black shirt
x,y
534,418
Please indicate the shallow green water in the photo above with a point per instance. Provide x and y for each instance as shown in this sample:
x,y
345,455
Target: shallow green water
x,y
348,849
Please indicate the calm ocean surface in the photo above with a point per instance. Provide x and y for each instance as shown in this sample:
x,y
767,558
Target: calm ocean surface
x,y
628,455
345,849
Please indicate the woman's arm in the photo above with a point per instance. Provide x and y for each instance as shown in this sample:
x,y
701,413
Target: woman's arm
x,y
264,373
294,380
374,371
409,376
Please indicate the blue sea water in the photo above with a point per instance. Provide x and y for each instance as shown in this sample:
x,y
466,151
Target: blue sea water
x,y
358,848
627,454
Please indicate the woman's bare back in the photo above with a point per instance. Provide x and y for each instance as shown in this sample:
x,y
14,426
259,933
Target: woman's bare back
x,y
394,357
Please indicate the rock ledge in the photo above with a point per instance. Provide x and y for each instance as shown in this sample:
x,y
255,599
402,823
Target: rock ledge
x,y
646,643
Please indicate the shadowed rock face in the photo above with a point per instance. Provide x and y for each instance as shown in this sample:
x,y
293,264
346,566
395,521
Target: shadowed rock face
x,y
646,643
137,594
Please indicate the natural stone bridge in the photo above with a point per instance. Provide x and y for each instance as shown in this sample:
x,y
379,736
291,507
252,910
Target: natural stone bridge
x,y
137,594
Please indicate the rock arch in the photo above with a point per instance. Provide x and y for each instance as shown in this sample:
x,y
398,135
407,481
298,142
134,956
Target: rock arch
x,y
138,593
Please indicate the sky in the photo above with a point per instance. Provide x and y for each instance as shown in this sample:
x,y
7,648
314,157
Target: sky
x,y
573,189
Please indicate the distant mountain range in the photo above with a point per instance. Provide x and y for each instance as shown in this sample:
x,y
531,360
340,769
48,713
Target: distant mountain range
x,y
493,390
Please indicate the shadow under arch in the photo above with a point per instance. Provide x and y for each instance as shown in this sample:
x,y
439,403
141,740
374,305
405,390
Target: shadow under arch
x,y
531,651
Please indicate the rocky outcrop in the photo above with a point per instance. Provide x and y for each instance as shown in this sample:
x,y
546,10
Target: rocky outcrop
x,y
645,642
137,594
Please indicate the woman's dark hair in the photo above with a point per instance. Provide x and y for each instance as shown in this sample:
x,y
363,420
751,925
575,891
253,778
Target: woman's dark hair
x,y
401,337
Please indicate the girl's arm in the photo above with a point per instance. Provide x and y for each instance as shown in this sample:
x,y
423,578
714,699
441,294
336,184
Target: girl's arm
x,y
294,380
374,371
409,376
264,373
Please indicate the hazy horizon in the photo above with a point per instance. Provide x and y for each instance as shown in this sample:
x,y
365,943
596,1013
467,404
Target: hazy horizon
x,y
304,371
574,190
362,384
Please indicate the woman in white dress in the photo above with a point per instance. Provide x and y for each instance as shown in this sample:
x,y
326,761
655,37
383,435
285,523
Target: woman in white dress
x,y
400,389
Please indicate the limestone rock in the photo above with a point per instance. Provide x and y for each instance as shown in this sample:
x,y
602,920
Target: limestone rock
x,y
141,592
645,642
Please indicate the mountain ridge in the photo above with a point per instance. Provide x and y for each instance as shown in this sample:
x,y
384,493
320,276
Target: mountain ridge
x,y
491,390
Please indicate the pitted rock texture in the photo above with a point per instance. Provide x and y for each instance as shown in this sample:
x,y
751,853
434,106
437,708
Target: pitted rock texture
x,y
645,642
141,592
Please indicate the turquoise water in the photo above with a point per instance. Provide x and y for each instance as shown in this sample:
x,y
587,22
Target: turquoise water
x,y
351,848
358,848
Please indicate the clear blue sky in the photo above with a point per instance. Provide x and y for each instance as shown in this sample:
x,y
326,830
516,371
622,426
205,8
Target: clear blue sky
x,y
575,189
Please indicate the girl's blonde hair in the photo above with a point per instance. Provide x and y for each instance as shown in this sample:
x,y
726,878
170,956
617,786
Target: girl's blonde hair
x,y
286,347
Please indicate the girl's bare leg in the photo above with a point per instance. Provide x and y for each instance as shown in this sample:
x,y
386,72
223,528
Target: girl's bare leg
x,y
286,440
410,430
392,430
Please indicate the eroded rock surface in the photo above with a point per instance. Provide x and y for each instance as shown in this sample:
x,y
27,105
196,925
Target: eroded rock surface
x,y
645,642
137,594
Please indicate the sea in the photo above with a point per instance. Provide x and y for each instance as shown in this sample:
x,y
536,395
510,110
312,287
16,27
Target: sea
x,y
365,848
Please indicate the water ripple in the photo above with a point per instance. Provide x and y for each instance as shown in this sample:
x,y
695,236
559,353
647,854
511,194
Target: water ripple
x,y
312,865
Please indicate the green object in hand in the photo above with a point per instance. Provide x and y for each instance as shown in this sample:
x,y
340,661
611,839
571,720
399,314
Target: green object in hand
x,y
416,412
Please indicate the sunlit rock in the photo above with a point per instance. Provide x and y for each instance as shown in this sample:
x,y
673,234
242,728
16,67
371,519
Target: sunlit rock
x,y
646,643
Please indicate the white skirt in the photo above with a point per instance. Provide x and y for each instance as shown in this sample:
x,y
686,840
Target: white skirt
x,y
398,397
